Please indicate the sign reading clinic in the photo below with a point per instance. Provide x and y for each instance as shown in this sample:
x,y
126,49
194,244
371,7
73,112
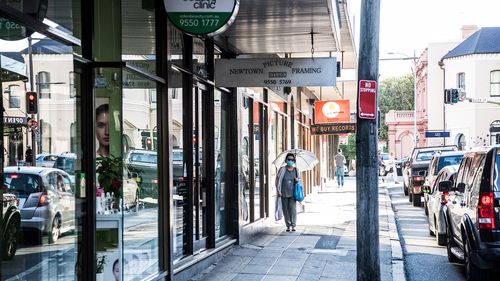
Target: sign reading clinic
x,y
202,17
278,72
367,99
335,111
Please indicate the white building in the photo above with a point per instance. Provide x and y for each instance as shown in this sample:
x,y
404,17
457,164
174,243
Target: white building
x,y
474,67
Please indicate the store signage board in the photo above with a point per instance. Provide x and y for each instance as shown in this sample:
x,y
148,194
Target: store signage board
x,y
334,111
10,120
279,72
333,129
202,17
367,99
12,31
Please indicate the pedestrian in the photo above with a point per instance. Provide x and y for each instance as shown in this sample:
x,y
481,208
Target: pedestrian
x,y
288,175
28,156
394,169
339,168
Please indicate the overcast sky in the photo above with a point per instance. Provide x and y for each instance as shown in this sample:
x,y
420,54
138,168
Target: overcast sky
x,y
407,26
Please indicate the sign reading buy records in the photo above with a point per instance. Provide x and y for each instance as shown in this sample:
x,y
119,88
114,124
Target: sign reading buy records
x,y
275,72
202,17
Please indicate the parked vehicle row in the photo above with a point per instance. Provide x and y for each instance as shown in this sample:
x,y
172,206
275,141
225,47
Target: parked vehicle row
x,y
462,201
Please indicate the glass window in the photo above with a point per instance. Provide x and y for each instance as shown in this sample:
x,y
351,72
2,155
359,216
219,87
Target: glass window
x,y
44,84
495,83
448,161
50,250
257,137
220,143
14,96
199,58
461,80
245,161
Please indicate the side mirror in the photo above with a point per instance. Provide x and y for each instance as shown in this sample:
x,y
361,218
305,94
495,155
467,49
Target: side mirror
x,y
444,186
461,187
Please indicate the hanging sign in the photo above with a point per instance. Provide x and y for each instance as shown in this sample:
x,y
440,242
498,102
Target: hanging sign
x,y
333,129
202,17
335,111
279,72
12,31
367,99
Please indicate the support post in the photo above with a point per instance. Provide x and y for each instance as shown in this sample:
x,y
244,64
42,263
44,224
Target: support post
x,y
367,223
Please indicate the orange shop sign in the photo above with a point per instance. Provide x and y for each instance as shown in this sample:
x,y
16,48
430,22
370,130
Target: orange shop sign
x,y
334,111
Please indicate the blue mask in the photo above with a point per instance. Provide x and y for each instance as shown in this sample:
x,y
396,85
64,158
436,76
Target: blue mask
x,y
289,163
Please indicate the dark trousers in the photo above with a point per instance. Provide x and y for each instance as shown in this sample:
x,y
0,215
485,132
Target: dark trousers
x,y
289,211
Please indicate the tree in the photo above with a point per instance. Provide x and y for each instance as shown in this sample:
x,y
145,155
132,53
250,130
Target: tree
x,y
395,93
349,149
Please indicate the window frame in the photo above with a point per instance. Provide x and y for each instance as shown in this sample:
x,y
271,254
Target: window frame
x,y
461,80
494,83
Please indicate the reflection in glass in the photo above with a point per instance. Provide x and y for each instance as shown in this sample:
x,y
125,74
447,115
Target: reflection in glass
x,y
245,162
220,137
257,135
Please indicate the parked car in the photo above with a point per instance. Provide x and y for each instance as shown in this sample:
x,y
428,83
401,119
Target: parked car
x,y
11,224
46,160
416,170
66,162
144,163
473,224
400,165
437,201
46,199
438,162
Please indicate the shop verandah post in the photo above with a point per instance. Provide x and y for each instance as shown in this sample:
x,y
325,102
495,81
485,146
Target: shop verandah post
x,y
367,222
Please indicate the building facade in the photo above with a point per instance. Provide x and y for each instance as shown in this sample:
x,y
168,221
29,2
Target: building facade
x,y
161,169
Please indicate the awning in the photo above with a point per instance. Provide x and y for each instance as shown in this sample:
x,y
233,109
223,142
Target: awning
x,y
12,70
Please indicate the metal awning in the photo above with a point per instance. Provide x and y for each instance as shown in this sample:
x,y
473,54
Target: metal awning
x,y
12,70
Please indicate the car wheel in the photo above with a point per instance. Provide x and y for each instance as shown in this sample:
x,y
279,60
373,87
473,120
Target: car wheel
x,y
472,272
450,244
55,230
10,240
417,200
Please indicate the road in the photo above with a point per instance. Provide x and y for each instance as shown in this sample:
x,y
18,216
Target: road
x,y
424,259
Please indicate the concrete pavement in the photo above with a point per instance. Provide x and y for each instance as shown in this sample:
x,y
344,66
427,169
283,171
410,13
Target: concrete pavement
x,y
323,248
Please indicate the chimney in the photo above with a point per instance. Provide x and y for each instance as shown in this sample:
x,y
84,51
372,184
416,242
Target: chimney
x,y
468,30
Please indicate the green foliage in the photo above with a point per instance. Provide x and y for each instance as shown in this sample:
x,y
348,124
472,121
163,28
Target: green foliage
x,y
110,171
395,93
349,150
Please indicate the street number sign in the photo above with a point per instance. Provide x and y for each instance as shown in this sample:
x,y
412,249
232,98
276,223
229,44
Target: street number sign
x,y
367,99
202,17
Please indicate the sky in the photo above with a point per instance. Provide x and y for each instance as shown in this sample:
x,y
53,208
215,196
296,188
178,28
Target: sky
x,y
408,26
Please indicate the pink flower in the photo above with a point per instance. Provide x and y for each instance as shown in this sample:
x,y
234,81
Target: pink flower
x,y
99,192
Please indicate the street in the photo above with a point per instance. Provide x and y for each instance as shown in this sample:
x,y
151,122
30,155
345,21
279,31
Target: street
x,y
423,258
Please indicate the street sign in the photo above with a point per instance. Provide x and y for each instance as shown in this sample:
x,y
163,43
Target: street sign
x,y
32,123
437,134
202,17
275,72
478,100
367,99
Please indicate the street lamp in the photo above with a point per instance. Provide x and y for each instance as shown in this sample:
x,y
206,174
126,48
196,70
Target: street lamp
x,y
414,73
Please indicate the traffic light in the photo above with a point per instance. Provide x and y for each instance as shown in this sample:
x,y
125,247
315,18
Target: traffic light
x,y
149,143
447,96
31,103
454,95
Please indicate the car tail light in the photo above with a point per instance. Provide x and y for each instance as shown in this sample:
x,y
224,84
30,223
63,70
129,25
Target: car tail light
x,y
444,198
43,200
418,178
485,210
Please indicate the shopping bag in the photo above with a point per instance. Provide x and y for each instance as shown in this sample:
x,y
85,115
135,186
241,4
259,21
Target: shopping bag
x,y
298,192
278,212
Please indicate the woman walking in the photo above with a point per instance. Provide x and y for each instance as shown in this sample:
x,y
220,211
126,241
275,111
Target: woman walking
x,y
285,181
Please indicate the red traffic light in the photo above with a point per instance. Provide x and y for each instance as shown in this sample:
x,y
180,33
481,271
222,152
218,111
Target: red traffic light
x,y
31,103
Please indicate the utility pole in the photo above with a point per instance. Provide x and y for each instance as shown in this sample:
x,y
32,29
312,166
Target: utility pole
x,y
367,224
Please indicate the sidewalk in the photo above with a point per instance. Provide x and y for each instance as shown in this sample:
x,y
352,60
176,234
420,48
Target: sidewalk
x,y
323,248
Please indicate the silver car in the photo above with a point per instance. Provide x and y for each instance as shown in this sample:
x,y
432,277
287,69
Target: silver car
x,y
46,199
436,202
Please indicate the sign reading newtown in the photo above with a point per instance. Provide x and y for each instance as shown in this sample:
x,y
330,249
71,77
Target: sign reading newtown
x,y
279,72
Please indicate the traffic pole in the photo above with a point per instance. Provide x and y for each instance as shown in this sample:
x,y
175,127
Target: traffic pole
x,y
367,221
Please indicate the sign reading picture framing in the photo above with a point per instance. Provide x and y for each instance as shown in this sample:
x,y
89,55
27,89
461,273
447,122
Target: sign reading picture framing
x,y
280,72
202,17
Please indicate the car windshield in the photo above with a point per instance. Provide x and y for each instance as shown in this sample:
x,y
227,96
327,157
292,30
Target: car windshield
x,y
427,155
448,160
143,158
66,164
21,185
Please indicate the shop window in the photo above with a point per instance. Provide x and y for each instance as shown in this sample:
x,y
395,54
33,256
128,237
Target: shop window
x,y
461,81
43,84
14,96
495,83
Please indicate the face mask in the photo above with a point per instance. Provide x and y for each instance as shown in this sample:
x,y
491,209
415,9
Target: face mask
x,y
289,163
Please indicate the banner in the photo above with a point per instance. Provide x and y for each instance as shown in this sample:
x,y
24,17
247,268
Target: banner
x,y
335,111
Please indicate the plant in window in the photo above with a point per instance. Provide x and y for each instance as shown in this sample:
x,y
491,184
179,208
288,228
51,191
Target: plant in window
x,y
109,171
101,262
